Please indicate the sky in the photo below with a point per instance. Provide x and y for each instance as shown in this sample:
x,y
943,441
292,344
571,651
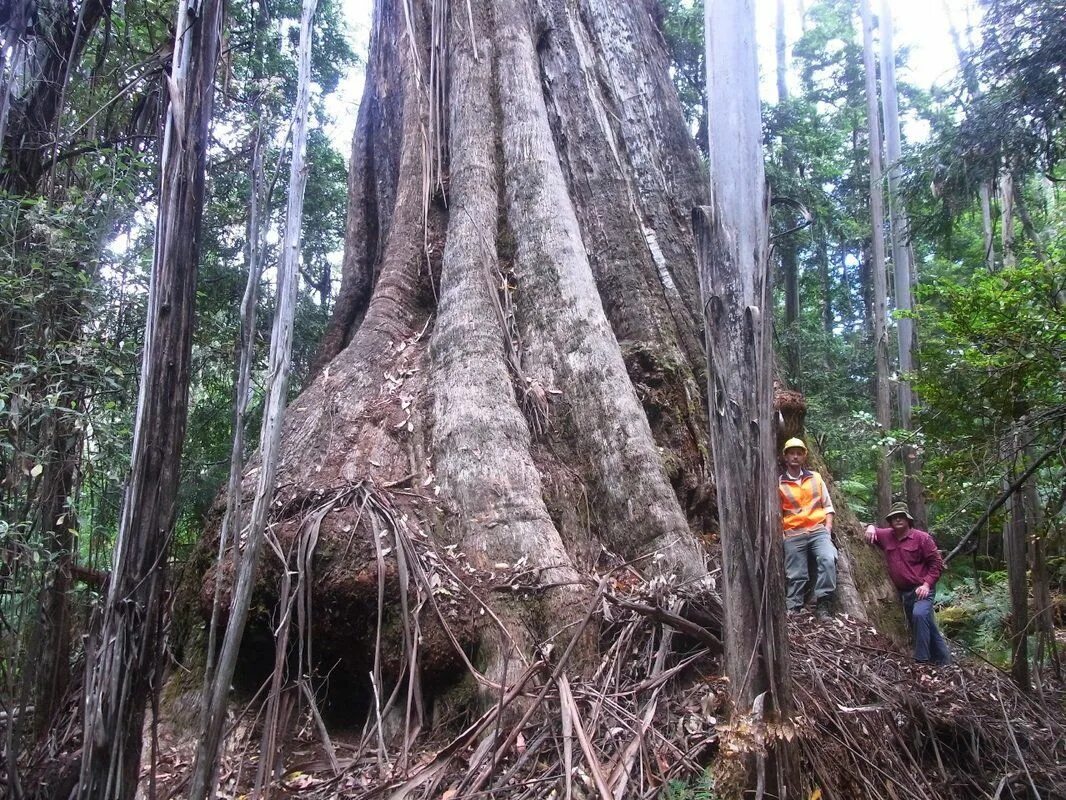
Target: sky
x,y
921,25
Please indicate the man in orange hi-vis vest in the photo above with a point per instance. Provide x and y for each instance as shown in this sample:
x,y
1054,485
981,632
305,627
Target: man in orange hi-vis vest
x,y
807,521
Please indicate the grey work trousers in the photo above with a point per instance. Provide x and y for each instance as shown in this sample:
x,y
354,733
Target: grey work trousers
x,y
800,549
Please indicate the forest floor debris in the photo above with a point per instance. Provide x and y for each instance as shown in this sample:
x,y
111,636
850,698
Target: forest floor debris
x,y
871,724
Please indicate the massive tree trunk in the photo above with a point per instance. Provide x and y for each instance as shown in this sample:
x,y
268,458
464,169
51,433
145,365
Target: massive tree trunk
x,y
514,370
515,350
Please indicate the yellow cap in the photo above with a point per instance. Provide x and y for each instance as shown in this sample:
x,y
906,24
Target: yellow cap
x,y
794,442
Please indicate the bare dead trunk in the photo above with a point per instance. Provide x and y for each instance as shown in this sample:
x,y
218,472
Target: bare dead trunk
x,y
882,408
205,771
121,669
733,260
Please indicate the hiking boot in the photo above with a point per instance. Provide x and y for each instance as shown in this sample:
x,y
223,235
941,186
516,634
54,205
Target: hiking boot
x,y
824,609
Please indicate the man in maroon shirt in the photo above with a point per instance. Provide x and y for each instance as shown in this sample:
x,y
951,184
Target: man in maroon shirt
x,y
914,565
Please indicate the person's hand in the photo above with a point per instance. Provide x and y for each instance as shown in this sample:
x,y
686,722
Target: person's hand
x,y
871,534
922,591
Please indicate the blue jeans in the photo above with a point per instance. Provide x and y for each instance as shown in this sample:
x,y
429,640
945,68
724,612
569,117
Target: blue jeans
x,y
929,645
816,545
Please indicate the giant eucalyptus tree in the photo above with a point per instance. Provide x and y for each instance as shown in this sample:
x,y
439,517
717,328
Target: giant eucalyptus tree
x,y
514,368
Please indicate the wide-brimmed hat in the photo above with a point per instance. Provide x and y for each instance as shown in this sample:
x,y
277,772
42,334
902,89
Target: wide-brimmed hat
x,y
897,509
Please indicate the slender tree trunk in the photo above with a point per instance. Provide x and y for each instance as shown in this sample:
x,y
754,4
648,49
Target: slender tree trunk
x,y
1014,554
732,248
1006,213
825,274
1043,611
121,669
205,771
787,246
57,521
987,231
1029,226
967,68
902,267
883,411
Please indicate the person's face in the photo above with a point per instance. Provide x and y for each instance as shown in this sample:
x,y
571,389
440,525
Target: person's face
x,y
899,523
794,458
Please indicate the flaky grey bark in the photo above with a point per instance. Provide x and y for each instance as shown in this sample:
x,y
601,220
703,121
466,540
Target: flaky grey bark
x,y
733,255
121,670
882,408
902,268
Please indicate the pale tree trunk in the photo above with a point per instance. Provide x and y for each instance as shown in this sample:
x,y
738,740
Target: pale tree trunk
x,y
121,670
987,232
825,275
786,247
1006,214
734,274
882,407
902,268
205,770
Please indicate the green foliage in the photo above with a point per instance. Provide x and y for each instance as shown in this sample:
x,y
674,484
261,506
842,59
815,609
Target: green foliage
x,y
682,28
976,615
702,788
1014,85
992,349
